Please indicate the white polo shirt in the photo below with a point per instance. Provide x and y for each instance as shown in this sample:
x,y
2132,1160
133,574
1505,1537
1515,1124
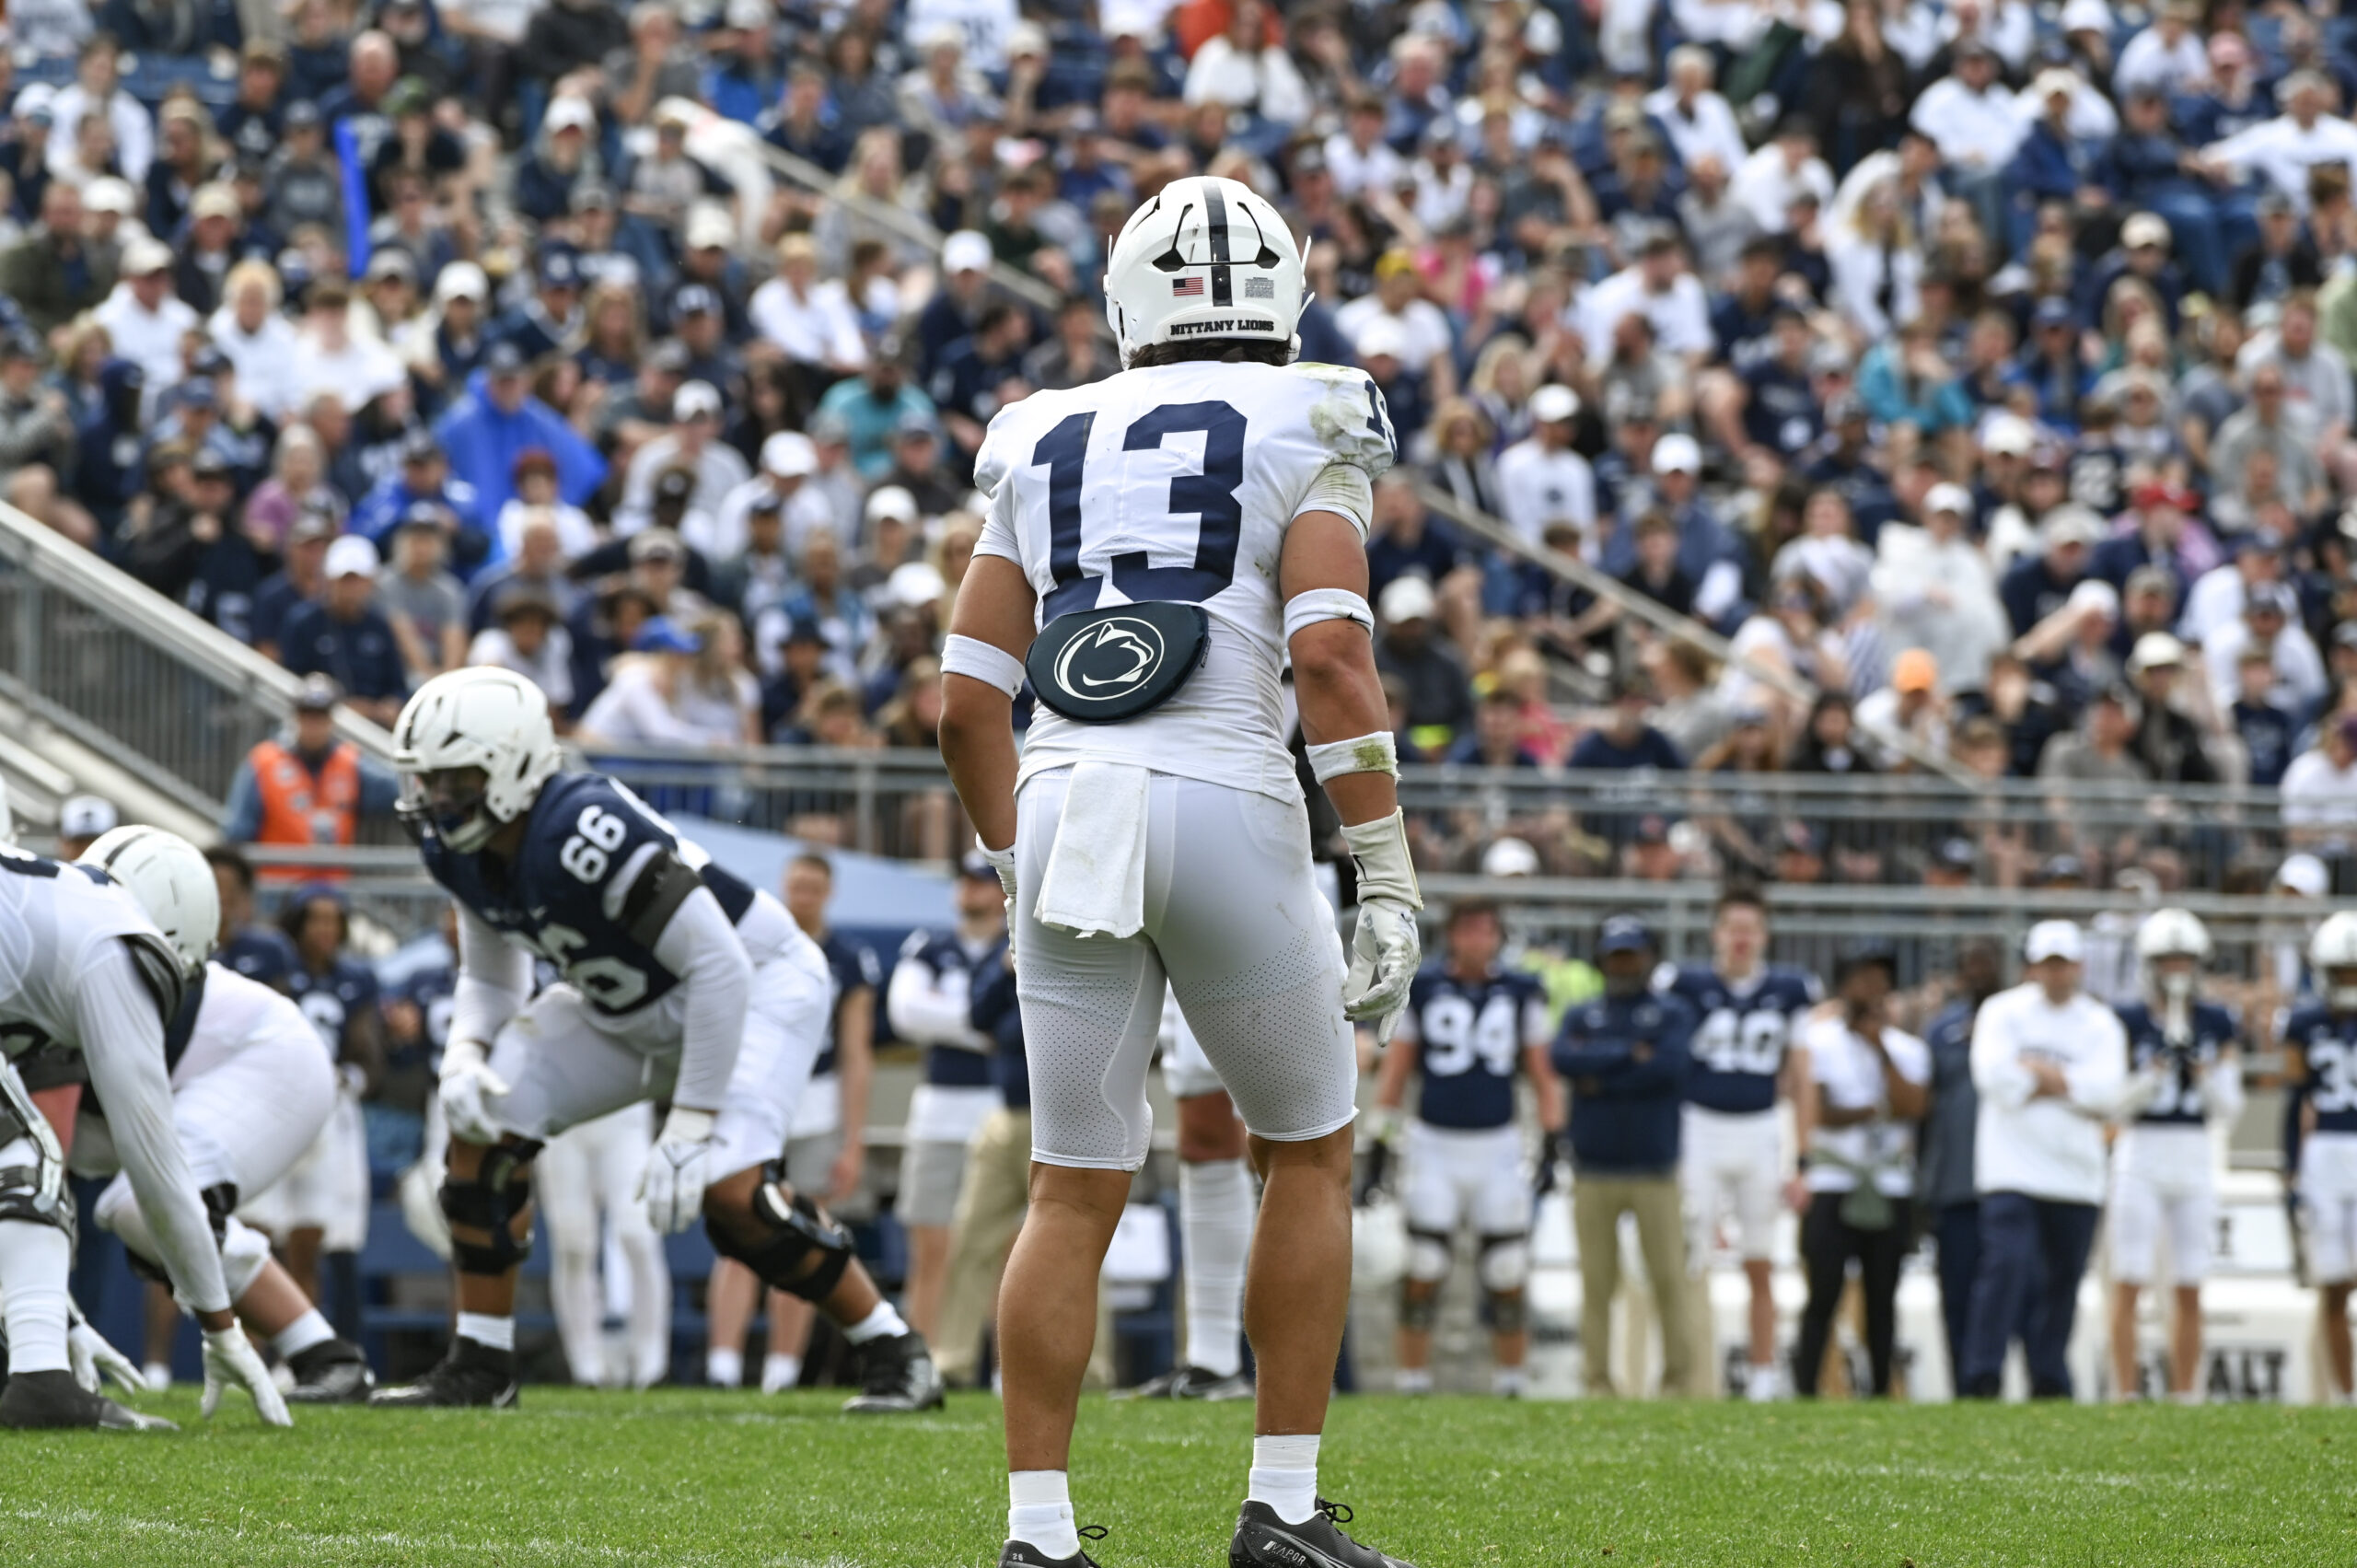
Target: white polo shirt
x,y
2049,1146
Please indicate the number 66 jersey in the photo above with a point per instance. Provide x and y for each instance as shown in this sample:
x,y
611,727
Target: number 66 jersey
x,y
1137,488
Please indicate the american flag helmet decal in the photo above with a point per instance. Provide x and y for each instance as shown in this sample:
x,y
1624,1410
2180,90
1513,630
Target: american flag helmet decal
x,y
1184,287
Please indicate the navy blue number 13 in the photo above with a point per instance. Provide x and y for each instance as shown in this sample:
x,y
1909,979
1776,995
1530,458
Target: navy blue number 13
x,y
1209,495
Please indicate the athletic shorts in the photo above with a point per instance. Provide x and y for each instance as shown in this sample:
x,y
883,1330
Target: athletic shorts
x,y
563,1069
1185,1071
2328,1198
932,1170
1733,1165
1235,927
326,1189
1457,1176
2161,1186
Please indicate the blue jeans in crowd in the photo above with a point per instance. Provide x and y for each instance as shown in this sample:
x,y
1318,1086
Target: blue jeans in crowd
x,y
2021,1238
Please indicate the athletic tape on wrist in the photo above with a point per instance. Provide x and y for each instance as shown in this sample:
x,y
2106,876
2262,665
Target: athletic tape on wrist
x,y
1386,870
1376,753
1327,604
985,662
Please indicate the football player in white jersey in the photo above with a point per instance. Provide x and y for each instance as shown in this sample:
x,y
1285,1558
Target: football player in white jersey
x,y
1156,544
250,1092
681,981
94,959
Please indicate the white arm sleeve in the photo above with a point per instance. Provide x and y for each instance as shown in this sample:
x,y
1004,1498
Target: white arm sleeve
x,y
930,1008
2222,1088
123,1041
702,949
495,980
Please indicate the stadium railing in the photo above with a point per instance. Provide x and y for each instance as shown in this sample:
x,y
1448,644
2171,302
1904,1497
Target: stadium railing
x,y
170,698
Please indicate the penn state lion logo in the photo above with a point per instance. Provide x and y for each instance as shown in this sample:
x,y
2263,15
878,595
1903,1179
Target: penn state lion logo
x,y
1116,655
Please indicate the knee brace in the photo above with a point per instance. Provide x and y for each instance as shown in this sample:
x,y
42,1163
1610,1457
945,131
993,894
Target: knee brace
x,y
500,1191
36,1194
1504,1268
801,1250
1430,1255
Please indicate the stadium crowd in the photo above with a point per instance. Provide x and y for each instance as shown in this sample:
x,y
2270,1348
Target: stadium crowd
x,y
1986,366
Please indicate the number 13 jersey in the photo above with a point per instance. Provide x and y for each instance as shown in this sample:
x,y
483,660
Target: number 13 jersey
x,y
1177,483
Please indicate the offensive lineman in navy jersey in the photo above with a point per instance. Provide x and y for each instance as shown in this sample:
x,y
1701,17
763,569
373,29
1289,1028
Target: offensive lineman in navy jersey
x,y
2320,1036
679,982
1468,1027
1745,1054
2182,1052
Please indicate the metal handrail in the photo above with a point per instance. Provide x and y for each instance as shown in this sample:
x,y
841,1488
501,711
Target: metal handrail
x,y
130,606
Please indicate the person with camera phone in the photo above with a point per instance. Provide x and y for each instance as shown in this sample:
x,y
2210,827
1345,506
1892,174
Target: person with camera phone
x,y
1871,1081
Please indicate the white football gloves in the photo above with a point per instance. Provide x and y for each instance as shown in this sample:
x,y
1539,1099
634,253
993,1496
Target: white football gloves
x,y
1002,862
231,1360
677,1170
1387,947
92,1357
468,1084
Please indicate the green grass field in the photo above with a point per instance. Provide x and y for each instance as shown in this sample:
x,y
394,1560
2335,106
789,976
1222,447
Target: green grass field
x,y
694,1477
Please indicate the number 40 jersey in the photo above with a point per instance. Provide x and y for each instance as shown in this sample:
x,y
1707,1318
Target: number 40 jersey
x,y
1177,483
1739,1048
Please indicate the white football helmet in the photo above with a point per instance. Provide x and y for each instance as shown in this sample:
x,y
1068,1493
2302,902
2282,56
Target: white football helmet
x,y
171,881
2332,952
2172,933
482,717
1205,258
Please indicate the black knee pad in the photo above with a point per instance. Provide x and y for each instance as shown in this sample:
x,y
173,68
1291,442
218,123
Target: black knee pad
x,y
36,1194
501,1189
1418,1313
802,1251
220,1203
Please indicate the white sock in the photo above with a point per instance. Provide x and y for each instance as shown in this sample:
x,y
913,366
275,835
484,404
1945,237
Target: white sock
x,y
881,1324
1216,1235
1414,1380
1760,1388
157,1374
311,1328
724,1369
780,1372
35,1260
1284,1475
493,1333
1508,1382
1038,1510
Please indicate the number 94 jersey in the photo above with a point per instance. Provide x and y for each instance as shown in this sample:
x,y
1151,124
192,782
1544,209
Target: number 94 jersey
x,y
1739,1046
578,892
1468,1037
1177,483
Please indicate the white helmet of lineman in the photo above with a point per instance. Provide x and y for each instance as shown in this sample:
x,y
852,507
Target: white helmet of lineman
x,y
2171,933
2332,953
490,719
172,882
1205,257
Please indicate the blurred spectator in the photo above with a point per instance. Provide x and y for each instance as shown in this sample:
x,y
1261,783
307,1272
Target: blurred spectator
x,y
345,636
424,604
307,787
1440,697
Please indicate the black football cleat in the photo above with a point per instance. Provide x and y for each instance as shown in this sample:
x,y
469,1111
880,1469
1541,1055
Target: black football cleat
x,y
1263,1540
1023,1554
896,1377
1192,1383
52,1399
470,1374
331,1373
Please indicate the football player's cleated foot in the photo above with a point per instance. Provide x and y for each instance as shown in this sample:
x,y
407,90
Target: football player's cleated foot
x,y
1023,1554
1192,1383
469,1375
1263,1540
331,1373
896,1377
53,1400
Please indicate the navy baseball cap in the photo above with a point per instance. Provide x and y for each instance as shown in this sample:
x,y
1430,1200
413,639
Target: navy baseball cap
x,y
1623,934
503,358
695,299
560,268
975,866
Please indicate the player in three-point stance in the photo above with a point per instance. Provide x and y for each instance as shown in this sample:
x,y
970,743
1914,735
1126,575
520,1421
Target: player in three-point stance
x,y
1470,1025
96,959
1156,544
1747,1053
2320,1037
2185,1068
680,981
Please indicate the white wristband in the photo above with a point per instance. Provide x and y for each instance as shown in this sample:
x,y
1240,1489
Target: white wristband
x,y
1376,753
985,662
1327,604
